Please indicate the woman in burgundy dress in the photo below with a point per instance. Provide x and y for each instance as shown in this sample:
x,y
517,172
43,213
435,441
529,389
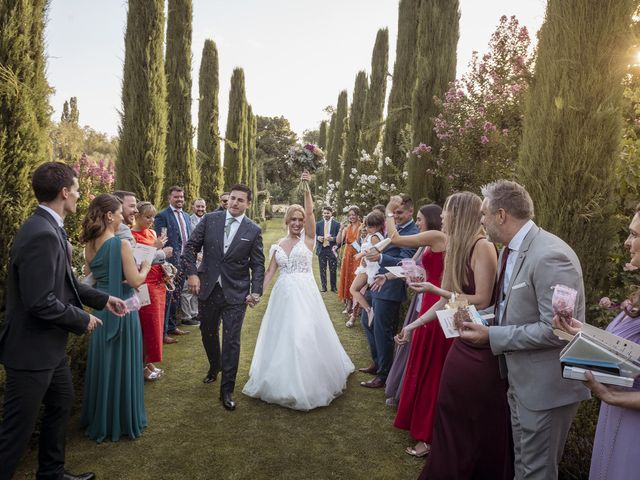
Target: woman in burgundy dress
x,y
152,315
472,430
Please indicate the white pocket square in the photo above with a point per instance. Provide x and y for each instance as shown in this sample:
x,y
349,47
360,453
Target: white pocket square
x,y
520,285
245,240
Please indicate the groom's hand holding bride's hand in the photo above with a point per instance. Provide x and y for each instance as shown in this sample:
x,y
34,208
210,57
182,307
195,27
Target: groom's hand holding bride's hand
x,y
252,299
193,284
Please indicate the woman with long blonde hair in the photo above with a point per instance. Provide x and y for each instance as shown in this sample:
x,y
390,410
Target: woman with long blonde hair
x,y
299,362
471,412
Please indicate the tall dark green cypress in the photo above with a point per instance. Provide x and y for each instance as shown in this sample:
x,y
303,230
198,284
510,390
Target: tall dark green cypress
x,y
438,33
142,150
253,162
398,122
374,109
23,98
350,153
330,130
572,126
234,143
322,144
337,138
322,136
181,166
245,140
208,153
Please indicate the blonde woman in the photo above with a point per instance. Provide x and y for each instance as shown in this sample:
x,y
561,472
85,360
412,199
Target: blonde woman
x,y
471,411
299,362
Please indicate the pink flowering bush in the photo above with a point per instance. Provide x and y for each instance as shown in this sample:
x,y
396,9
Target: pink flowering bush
x,y
95,177
480,124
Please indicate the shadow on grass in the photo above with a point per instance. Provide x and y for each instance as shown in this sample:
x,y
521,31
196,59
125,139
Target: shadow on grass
x,y
190,435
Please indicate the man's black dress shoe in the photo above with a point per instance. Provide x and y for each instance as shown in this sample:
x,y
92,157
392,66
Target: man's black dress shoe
x,y
334,290
210,378
227,401
323,290
191,322
82,476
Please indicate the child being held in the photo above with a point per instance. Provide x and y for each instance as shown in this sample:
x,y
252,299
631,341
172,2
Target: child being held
x,y
365,273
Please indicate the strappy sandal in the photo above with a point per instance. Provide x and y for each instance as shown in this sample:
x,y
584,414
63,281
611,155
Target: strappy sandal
x,y
351,322
150,375
415,453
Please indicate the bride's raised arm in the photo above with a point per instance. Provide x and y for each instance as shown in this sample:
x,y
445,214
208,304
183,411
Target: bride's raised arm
x,y
309,218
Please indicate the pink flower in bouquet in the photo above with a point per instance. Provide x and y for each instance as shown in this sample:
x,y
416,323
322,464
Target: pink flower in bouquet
x,y
484,140
605,302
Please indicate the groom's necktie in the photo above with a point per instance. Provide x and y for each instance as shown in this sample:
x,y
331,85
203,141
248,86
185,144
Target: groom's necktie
x,y
227,233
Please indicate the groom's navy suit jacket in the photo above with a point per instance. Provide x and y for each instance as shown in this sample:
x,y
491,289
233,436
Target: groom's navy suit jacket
x,y
241,269
395,290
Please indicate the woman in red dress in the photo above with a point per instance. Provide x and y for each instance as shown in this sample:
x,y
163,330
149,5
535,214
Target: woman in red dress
x,y
152,315
429,347
347,235
471,436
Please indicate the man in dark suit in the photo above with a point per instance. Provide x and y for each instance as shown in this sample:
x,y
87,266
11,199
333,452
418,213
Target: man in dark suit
x,y
326,232
44,304
177,225
386,300
229,278
224,201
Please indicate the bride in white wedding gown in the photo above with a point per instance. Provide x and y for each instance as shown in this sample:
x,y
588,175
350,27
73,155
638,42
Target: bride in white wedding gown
x,y
298,362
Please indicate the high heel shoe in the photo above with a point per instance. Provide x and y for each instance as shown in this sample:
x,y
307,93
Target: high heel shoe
x,y
150,375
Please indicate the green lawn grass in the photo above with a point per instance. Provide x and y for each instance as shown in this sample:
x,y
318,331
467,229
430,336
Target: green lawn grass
x,y
190,435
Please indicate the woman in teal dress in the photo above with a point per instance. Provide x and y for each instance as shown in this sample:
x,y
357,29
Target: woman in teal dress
x,y
113,403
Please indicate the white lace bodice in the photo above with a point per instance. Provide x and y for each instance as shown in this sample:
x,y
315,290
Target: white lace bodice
x,y
298,261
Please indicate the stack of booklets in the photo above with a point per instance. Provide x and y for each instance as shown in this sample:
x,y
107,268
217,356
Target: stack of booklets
x,y
611,359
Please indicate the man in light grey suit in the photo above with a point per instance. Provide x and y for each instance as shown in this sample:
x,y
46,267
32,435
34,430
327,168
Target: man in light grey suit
x,y
542,403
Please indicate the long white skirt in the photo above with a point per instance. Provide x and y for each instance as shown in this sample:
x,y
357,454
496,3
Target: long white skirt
x,y
298,362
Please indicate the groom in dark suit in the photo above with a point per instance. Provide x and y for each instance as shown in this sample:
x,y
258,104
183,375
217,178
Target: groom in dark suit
x,y
229,278
44,304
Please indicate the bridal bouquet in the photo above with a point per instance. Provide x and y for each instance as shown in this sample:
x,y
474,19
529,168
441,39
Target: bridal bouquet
x,y
309,158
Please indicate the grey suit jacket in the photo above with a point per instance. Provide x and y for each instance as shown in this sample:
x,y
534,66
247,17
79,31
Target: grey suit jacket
x,y
525,336
241,268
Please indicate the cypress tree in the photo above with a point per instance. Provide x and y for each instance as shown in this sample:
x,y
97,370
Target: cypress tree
x,y
253,163
322,144
572,126
438,33
245,145
208,154
350,154
322,136
374,109
23,98
40,87
74,114
397,125
337,138
234,143
142,150
181,166
330,130
65,112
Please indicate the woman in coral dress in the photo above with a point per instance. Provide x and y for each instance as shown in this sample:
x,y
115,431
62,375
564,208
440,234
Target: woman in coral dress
x,y
347,235
152,315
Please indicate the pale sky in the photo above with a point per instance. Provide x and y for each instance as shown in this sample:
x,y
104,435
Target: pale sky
x,y
297,54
